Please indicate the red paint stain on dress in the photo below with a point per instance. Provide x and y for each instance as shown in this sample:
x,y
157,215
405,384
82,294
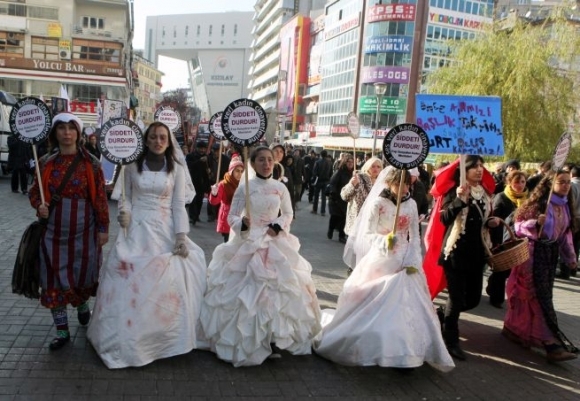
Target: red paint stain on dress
x,y
129,323
125,269
135,288
167,307
133,303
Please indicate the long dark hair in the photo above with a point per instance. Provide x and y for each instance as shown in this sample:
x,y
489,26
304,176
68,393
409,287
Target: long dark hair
x,y
537,203
169,152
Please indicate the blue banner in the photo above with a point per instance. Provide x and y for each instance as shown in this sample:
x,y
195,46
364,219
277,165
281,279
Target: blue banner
x,y
388,44
462,124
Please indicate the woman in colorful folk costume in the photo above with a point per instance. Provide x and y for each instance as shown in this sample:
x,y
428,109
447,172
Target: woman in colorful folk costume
x,y
152,286
384,315
260,296
78,224
223,193
454,241
546,221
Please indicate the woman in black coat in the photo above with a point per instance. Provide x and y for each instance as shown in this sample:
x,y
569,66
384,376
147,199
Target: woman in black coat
x,y
19,155
337,206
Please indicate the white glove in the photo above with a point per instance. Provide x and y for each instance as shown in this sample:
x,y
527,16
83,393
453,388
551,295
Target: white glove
x,y
180,248
214,190
124,218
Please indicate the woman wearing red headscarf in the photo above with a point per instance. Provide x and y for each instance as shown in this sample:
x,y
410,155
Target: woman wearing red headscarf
x,y
455,251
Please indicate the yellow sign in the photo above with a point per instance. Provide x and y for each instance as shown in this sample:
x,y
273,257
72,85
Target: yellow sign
x,y
54,30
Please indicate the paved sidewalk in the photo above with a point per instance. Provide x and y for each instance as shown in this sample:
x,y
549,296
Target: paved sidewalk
x,y
496,369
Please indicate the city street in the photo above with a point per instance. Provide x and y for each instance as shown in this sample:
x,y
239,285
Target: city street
x,y
496,369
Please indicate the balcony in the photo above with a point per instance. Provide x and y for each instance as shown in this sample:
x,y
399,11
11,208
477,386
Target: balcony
x,y
91,33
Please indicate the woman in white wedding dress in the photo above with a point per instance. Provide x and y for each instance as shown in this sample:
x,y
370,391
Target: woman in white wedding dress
x,y
260,296
384,314
152,287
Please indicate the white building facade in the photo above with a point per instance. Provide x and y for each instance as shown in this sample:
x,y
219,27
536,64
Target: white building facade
x,y
84,46
216,47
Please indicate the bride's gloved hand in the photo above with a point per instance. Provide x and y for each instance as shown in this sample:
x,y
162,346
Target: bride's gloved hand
x,y
180,248
124,218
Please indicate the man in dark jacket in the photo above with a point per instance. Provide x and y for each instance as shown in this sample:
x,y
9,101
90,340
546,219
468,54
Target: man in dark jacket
x,y
199,170
298,175
320,177
309,161
19,155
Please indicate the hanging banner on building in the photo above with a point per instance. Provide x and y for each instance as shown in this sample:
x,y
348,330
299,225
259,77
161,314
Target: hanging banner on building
x,y
385,44
54,30
389,105
393,75
391,12
462,124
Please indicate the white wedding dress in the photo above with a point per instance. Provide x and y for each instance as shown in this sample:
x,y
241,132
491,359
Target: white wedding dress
x,y
259,287
385,316
149,300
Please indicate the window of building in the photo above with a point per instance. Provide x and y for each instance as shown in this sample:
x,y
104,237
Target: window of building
x,y
223,30
50,13
97,51
210,30
198,30
235,29
45,48
186,30
17,10
88,93
163,32
93,22
11,44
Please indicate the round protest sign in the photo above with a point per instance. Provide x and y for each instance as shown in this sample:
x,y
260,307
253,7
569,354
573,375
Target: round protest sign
x,y
168,116
120,141
244,122
30,120
561,152
353,125
215,126
406,146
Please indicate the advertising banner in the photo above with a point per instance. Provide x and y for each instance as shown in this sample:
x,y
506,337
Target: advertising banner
x,y
389,105
394,75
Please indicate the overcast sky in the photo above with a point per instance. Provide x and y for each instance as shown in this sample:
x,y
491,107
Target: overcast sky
x,y
144,8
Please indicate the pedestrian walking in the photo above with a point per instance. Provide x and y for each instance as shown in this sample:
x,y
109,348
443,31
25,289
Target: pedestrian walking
x,y
320,176
460,214
384,314
260,296
152,286
78,224
19,156
545,219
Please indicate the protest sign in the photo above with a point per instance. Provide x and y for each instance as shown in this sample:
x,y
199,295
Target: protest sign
x,y
462,124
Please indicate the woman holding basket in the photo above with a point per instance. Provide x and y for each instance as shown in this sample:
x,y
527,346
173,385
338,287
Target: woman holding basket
x,y
545,219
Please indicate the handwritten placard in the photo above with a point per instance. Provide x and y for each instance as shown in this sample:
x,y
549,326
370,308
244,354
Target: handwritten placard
x,y
462,124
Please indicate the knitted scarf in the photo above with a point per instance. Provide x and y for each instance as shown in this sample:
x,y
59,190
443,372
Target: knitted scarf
x,y
517,199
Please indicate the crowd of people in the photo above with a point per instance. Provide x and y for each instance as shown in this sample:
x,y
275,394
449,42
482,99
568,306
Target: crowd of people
x,y
156,296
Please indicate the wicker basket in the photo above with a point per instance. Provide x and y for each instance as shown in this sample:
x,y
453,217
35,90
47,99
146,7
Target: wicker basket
x,y
512,252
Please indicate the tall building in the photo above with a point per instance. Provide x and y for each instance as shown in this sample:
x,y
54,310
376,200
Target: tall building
x,y
147,87
216,47
85,46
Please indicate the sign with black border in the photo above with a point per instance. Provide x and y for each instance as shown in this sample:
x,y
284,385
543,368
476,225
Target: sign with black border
x,y
244,122
168,116
406,146
30,120
121,141
215,126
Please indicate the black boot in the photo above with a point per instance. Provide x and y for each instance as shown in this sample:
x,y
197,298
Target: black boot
x,y
564,272
451,338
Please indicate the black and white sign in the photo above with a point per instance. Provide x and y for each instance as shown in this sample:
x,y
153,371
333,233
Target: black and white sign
x,y
30,120
561,152
215,126
121,141
244,122
406,146
168,116
353,125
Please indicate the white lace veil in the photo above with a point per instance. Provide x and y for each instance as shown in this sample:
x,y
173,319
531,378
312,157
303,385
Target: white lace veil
x,y
180,157
357,246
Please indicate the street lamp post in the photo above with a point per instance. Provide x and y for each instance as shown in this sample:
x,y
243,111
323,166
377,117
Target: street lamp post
x,y
380,89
